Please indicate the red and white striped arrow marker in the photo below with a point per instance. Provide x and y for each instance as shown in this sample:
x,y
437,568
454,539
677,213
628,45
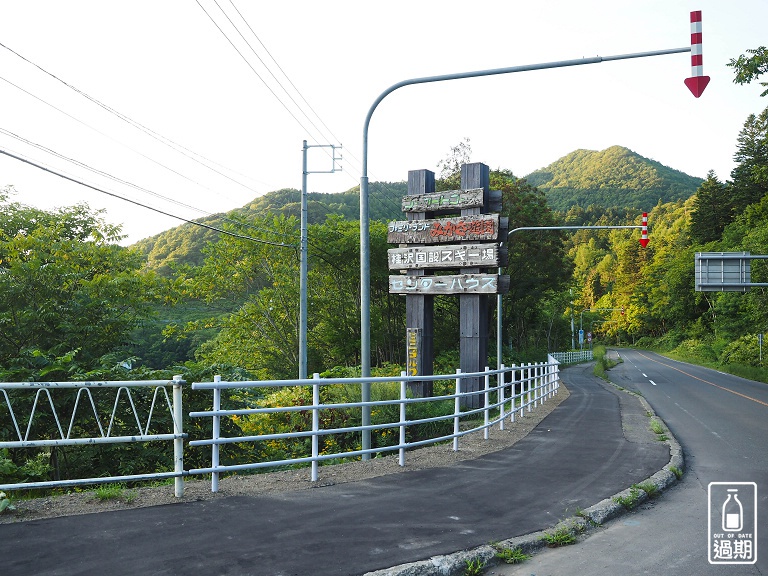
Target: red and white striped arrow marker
x,y
644,231
698,81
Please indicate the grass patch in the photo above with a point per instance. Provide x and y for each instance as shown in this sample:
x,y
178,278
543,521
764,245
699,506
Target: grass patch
x,y
631,500
474,567
602,362
649,488
511,555
676,471
656,427
560,537
581,514
107,492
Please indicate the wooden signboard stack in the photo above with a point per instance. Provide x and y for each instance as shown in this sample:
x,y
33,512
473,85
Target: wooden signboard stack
x,y
446,231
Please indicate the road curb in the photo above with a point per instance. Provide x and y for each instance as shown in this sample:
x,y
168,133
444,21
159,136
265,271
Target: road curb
x,y
588,520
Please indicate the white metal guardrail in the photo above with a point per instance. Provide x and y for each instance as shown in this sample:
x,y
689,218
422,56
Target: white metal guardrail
x,y
537,383
515,391
43,397
573,357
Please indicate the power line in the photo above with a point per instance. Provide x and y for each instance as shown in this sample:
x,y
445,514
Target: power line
x,y
130,184
135,202
155,135
287,93
281,71
386,205
251,66
106,135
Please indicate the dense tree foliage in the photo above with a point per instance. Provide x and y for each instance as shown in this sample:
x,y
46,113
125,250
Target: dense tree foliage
x,y
68,290
712,210
262,281
749,68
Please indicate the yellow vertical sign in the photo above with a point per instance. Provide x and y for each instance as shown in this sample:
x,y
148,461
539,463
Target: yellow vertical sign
x,y
413,351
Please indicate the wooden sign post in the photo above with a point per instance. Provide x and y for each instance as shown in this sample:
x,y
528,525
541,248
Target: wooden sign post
x,y
473,308
467,237
420,308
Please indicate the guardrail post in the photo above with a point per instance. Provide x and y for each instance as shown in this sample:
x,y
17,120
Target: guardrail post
x,y
215,436
457,411
178,441
547,381
403,387
530,384
500,383
315,423
513,398
487,398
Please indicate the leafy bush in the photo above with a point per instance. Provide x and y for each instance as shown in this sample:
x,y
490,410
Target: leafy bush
x,y
36,468
647,342
745,350
696,349
668,341
331,418
5,503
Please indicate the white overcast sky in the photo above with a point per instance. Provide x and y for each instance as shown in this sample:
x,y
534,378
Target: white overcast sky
x,y
166,65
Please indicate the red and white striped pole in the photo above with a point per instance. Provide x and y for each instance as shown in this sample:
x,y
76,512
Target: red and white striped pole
x,y
644,231
697,82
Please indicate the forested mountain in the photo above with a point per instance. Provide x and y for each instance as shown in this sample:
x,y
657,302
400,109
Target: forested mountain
x,y
613,178
184,244
588,185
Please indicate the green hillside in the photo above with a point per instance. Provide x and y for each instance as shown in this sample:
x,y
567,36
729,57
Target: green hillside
x,y
183,244
616,177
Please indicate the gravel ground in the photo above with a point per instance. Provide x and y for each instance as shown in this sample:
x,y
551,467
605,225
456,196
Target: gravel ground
x,y
470,446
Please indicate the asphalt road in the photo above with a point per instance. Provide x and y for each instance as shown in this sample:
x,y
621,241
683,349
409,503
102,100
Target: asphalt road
x,y
721,421
574,458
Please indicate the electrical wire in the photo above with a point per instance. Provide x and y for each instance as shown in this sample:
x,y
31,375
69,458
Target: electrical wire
x,y
284,105
135,202
287,93
335,139
386,206
107,136
192,155
132,185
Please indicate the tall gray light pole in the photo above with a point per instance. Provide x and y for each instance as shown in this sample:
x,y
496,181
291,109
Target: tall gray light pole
x,y
365,246
305,252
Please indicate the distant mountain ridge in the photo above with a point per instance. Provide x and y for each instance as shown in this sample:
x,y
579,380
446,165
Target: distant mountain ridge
x,y
183,244
615,177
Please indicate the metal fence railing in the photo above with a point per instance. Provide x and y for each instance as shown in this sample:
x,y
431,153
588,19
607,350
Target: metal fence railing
x,y
54,414
573,357
90,413
535,384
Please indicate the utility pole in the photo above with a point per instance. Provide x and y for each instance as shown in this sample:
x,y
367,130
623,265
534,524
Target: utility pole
x,y
304,248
